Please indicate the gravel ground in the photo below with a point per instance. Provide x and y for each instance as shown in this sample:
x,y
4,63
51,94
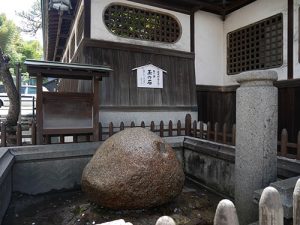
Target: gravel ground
x,y
193,206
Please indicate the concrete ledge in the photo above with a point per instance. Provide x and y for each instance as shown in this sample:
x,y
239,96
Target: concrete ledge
x,y
6,163
217,150
54,151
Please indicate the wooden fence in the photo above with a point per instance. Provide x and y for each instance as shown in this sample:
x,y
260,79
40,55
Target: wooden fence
x,y
217,133
270,209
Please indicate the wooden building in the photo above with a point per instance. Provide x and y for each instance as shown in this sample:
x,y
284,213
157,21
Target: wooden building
x,y
200,43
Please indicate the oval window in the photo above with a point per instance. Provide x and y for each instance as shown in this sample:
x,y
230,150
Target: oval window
x,y
131,22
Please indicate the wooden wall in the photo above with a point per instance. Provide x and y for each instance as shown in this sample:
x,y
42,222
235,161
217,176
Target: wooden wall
x,y
120,89
217,104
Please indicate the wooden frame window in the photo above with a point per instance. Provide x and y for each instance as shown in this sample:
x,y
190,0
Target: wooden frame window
x,y
256,46
131,22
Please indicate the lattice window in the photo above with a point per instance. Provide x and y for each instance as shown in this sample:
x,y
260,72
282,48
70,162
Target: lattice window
x,y
257,46
130,22
80,27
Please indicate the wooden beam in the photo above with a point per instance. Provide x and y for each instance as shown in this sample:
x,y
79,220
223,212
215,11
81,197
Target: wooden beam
x,y
87,19
58,34
192,25
290,35
96,109
39,110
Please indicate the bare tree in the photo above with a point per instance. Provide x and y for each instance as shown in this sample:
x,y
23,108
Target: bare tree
x,y
32,19
12,93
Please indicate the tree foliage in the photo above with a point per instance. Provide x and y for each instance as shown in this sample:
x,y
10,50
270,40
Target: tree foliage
x,y
32,19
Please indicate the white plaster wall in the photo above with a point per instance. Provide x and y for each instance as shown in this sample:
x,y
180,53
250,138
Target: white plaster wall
x,y
296,39
209,44
100,32
252,13
211,39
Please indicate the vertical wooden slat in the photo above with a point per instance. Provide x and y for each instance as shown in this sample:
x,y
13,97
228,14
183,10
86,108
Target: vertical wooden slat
x,y
188,124
195,128
88,138
122,125
170,128
95,109
179,128
152,126
110,129
216,129
233,134
19,134
100,132
298,146
75,138
283,142
201,129
224,135
48,139
62,139
143,124
33,132
161,128
3,135
208,131
132,124
39,110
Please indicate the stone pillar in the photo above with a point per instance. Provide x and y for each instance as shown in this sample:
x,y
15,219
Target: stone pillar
x,y
256,139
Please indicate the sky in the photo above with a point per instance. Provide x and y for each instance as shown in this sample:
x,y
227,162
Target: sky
x,y
9,7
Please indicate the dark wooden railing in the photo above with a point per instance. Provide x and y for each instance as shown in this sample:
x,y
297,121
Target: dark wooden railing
x,y
224,134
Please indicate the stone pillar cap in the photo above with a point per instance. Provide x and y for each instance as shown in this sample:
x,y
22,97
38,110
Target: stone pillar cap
x,y
256,75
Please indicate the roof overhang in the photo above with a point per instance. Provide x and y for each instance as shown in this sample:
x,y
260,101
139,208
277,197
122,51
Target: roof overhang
x,y
66,70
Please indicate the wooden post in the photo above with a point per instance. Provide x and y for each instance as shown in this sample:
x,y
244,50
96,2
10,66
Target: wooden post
x,y
143,124
122,125
33,132
100,132
18,86
226,213
132,124
224,133
170,128
179,128
19,134
152,126
296,204
96,109
233,134
283,142
188,124
110,129
298,146
62,139
161,128
39,110
208,131
270,207
201,129
195,128
216,132
3,135
75,138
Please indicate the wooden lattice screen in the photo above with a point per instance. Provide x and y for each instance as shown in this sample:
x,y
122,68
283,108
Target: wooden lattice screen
x,y
130,22
257,46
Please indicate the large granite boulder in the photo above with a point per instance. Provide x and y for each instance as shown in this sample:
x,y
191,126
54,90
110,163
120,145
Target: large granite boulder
x,y
133,169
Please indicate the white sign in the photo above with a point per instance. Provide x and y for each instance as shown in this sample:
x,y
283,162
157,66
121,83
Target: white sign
x,y
150,76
